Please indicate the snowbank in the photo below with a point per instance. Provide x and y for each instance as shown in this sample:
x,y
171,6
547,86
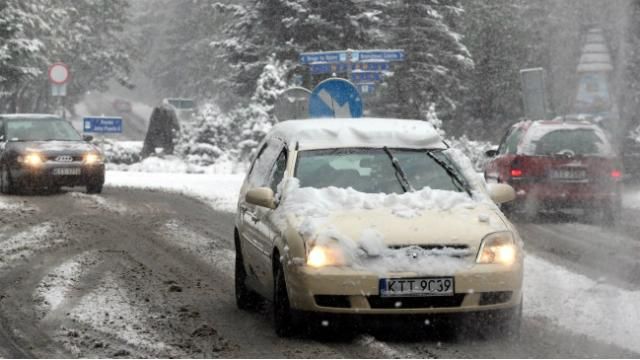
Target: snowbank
x,y
220,191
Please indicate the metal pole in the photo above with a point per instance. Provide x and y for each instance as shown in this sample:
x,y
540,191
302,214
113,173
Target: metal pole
x,y
349,70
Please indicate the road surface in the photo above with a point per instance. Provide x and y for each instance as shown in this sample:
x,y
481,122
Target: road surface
x,y
133,273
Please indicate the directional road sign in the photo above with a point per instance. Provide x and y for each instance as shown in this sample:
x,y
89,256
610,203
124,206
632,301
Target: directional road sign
x,y
344,56
102,124
335,98
293,104
329,68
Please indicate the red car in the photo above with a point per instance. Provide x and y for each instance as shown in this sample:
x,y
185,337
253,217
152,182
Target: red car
x,y
558,164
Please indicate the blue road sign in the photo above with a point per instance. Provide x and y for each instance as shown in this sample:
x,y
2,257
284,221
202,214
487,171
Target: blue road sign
x,y
367,88
327,57
388,55
335,98
101,124
367,76
329,68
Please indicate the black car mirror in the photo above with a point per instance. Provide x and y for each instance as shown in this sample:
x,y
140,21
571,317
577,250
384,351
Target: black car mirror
x,y
491,153
87,138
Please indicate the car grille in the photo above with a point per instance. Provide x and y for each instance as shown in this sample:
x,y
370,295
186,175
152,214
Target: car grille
x,y
426,302
497,297
334,301
453,250
64,158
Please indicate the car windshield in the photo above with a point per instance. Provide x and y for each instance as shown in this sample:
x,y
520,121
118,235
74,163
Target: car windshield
x,y
373,170
41,130
576,141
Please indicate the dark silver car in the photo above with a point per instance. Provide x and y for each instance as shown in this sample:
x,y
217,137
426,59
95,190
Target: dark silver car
x,y
46,152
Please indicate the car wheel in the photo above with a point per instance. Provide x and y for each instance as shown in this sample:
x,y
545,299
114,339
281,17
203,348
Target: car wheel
x,y
245,298
95,188
6,182
283,316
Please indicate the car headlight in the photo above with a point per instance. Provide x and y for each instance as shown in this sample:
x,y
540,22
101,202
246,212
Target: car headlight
x,y
498,248
322,255
92,158
32,159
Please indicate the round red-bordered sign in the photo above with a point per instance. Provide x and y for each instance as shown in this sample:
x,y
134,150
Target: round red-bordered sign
x,y
59,73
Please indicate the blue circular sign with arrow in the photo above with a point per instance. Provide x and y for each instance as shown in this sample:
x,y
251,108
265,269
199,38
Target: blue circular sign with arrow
x,y
335,98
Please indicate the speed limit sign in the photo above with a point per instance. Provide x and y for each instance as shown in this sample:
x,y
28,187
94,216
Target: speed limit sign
x,y
59,73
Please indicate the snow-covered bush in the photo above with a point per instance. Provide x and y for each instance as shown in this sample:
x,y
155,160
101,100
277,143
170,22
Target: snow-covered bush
x,y
474,150
121,152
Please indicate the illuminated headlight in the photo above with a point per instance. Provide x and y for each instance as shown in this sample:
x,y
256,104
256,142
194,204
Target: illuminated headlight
x,y
92,158
321,256
32,159
498,248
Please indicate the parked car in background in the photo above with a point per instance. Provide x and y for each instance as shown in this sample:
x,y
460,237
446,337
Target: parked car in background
x,y
122,106
555,164
186,109
44,151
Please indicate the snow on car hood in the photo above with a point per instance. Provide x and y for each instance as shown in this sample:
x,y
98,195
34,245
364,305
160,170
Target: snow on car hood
x,y
54,147
375,231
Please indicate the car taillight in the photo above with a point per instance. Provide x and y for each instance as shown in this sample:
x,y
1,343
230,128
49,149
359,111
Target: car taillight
x,y
616,174
516,172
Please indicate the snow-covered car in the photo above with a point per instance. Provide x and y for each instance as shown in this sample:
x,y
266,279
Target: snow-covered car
x,y
186,109
122,106
558,164
45,151
372,217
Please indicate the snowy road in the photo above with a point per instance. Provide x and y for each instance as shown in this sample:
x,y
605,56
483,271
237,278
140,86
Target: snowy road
x,y
135,273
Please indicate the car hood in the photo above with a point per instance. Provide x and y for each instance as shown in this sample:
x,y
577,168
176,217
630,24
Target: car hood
x,y
54,147
460,226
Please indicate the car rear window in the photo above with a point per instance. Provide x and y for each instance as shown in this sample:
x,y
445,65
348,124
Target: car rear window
x,y
576,141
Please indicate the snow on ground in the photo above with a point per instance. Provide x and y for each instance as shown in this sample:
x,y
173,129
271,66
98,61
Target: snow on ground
x,y
174,164
100,202
26,243
109,308
200,246
631,200
570,300
220,191
581,305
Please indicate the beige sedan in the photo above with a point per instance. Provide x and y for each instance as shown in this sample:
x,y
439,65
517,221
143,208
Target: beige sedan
x,y
373,216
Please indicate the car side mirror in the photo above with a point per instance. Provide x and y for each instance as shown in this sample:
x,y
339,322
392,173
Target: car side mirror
x,y
501,193
87,138
262,196
491,153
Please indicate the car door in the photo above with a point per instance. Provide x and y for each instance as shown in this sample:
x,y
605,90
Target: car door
x,y
253,228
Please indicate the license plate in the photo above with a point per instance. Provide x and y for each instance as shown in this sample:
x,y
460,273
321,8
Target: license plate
x,y
568,174
437,286
66,171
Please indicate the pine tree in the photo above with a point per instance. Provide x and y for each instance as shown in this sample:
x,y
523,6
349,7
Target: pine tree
x,y
435,60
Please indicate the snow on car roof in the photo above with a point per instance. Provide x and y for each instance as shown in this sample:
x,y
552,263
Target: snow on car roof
x,y
538,129
362,132
28,116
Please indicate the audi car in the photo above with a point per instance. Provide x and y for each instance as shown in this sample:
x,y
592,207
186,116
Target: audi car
x,y
558,164
39,151
369,218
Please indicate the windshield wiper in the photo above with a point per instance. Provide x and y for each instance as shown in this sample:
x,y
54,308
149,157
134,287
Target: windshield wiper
x,y
400,175
453,173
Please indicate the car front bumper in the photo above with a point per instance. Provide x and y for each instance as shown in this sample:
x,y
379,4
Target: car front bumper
x,y
347,291
43,176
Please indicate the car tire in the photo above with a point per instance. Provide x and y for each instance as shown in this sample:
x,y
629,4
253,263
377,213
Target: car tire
x,y
7,185
245,298
94,188
284,318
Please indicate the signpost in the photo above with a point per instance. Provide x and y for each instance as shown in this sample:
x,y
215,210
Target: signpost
x,y
59,76
102,124
335,98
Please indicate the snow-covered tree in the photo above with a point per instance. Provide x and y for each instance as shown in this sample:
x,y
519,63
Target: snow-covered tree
x,y
436,60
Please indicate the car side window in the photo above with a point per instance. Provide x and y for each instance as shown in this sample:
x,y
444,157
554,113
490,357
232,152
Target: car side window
x,y
261,170
511,141
2,137
277,173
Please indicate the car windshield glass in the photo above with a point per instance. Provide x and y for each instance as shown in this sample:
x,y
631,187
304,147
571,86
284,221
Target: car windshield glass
x,y
41,130
372,171
576,141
